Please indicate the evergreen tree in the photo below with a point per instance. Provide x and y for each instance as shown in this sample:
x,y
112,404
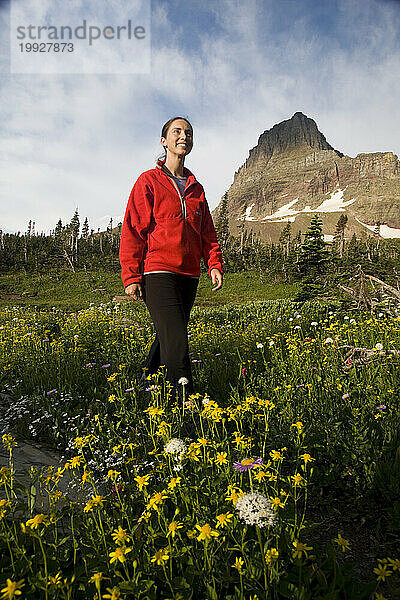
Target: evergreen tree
x,y
339,234
314,254
222,223
313,261
242,227
74,234
85,229
75,224
58,228
285,237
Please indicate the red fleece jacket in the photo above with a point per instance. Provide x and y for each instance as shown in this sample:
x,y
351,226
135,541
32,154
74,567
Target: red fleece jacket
x,y
163,230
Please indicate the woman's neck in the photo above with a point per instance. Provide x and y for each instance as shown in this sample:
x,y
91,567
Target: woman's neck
x,y
175,165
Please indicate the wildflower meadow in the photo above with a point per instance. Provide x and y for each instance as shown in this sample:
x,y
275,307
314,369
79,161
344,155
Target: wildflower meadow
x,y
279,478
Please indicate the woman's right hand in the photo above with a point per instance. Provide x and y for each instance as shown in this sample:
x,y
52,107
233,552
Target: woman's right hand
x,y
134,291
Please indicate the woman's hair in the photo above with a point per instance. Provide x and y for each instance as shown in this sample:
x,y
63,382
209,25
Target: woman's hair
x,y
164,132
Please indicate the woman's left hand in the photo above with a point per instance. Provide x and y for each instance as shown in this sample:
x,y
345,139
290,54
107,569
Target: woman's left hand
x,y
216,278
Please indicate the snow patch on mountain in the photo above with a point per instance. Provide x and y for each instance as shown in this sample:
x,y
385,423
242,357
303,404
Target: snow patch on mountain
x,y
335,203
384,230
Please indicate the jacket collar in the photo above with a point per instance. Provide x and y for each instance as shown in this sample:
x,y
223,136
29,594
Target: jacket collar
x,y
186,172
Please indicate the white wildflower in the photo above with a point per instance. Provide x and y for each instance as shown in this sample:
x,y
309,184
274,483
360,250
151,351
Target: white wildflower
x,y
352,321
378,346
183,380
255,509
346,317
297,327
328,340
380,315
271,343
176,447
291,319
314,323
260,345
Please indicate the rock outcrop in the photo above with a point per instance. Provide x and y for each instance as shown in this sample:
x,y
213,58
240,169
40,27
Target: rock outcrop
x,y
293,172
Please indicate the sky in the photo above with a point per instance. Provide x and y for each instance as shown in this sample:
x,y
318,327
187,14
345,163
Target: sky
x,y
235,68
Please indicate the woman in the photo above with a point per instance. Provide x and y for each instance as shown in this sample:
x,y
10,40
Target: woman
x,y
167,229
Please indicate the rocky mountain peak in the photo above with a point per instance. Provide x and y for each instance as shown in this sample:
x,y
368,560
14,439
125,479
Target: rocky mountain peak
x,y
298,131
293,172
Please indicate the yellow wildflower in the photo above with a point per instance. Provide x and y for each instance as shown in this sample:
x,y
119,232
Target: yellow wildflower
x,y
8,442
276,502
12,589
221,458
272,554
174,482
96,577
120,536
206,532
342,543
306,457
161,556
203,442
153,411
56,580
299,426
156,499
395,564
260,475
112,474
141,481
87,475
75,461
300,548
224,519
36,521
238,564
297,479
114,594
382,572
191,533
173,528
276,455
119,554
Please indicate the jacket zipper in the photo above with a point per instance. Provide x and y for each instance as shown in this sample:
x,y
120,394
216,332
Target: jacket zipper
x,y
182,198
183,203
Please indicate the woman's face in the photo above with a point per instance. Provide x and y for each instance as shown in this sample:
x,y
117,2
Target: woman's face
x,y
179,140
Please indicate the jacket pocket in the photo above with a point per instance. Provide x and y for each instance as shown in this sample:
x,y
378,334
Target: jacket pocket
x,y
166,239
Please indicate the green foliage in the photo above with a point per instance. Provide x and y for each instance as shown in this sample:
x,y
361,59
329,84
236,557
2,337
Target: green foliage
x,y
271,384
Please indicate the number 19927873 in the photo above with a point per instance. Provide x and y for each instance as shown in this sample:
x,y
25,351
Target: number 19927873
x,y
47,47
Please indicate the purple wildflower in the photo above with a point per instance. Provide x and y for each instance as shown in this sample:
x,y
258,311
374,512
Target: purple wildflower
x,y
246,464
105,366
51,392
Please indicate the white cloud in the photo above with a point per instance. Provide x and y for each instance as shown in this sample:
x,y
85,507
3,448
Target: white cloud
x,y
82,141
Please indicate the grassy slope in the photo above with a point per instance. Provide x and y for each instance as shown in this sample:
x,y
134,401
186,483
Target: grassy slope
x,y
74,291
